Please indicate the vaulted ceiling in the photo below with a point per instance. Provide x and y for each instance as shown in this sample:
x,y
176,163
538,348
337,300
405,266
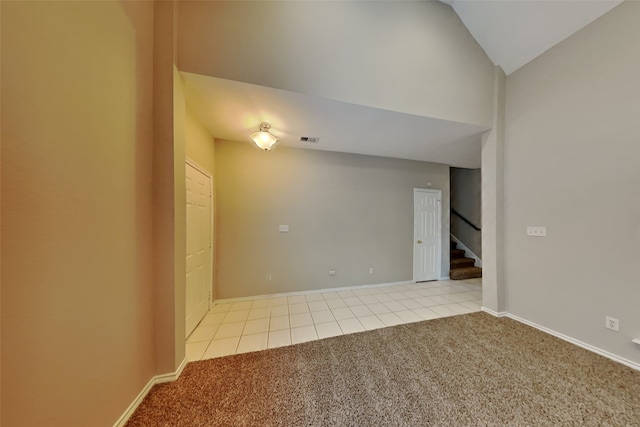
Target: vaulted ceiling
x,y
511,33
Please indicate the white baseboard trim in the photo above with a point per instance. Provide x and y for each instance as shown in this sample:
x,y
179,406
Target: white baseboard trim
x,y
311,291
163,378
172,376
601,352
493,313
134,405
467,252
444,278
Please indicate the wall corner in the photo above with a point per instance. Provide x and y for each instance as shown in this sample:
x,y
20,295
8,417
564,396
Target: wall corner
x,y
493,286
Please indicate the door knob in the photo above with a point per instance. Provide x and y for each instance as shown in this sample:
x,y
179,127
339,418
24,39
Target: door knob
x,y
419,242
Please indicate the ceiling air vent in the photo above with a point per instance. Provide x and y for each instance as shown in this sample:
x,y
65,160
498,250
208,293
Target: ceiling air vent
x,y
309,139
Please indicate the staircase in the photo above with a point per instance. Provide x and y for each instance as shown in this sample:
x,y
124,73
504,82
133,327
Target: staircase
x,y
462,267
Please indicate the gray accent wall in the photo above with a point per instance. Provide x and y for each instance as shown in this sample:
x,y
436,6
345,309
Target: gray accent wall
x,y
345,212
466,198
572,164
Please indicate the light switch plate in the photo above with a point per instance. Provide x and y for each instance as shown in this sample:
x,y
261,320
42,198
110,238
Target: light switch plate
x,y
537,231
284,228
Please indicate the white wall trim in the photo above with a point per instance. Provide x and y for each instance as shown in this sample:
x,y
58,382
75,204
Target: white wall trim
x,y
467,251
493,313
601,352
195,164
615,358
311,291
172,376
163,378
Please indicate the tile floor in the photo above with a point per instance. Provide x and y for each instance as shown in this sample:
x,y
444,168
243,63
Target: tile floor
x,y
277,320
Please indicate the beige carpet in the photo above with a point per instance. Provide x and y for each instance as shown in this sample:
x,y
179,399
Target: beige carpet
x,y
466,370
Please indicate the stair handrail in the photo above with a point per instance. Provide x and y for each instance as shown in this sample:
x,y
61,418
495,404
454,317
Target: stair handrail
x,y
465,220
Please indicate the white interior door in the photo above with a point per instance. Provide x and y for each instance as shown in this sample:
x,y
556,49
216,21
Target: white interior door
x,y
199,248
427,232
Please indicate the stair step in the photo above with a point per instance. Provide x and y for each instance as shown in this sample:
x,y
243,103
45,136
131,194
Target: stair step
x,y
457,253
465,273
462,262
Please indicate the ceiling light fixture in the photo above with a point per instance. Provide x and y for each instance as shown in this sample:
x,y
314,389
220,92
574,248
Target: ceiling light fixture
x,y
263,138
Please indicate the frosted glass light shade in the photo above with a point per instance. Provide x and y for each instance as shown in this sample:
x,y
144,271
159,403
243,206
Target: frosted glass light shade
x,y
263,138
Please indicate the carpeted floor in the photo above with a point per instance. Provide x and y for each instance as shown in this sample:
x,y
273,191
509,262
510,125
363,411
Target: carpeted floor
x,y
466,370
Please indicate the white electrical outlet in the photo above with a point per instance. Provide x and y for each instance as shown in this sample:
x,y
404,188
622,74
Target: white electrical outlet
x,y
332,272
611,323
370,270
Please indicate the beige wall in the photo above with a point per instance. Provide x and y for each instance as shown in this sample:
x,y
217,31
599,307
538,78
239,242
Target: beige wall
x,y
199,144
572,164
413,57
345,212
77,306
169,198
179,227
